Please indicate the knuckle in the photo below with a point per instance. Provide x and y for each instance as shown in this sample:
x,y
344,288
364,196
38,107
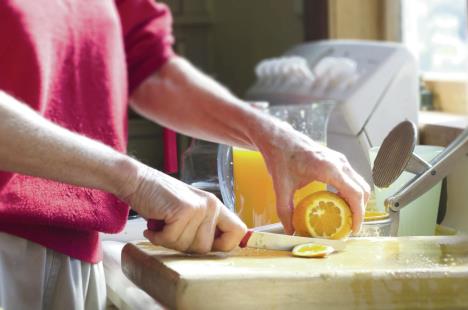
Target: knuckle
x,y
211,197
152,239
195,211
358,193
342,158
200,212
354,196
212,206
190,209
347,169
215,207
169,238
202,248
181,246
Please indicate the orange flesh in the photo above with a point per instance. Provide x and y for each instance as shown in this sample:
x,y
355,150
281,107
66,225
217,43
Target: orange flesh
x,y
325,228
312,250
313,247
322,214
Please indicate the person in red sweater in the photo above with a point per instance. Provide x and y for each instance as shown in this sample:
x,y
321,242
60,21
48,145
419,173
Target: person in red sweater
x,y
68,70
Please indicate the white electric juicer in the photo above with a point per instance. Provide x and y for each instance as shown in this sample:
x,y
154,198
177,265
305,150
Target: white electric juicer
x,y
374,84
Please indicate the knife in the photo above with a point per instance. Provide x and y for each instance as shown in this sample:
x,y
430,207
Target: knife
x,y
267,240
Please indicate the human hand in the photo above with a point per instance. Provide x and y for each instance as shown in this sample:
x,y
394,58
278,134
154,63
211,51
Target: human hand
x,y
294,160
191,215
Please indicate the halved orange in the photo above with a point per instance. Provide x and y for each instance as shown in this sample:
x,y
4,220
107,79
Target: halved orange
x,y
323,214
312,250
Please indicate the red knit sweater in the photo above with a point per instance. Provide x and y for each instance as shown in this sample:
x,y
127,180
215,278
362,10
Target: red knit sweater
x,y
75,62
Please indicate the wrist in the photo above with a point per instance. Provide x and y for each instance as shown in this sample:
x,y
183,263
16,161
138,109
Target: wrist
x,y
268,133
124,177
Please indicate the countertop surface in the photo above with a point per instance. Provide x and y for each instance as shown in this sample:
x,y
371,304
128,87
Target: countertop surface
x,y
121,292
437,128
391,273
403,272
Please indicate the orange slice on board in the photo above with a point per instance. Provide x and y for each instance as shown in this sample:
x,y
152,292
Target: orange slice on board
x,y
312,250
323,214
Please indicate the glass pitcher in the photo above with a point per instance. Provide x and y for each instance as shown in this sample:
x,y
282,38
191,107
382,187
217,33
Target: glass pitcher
x,y
245,184
199,166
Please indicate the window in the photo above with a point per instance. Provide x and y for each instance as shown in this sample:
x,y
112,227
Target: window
x,y
436,31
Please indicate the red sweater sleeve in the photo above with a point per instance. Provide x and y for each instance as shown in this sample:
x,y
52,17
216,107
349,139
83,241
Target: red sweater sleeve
x,y
147,31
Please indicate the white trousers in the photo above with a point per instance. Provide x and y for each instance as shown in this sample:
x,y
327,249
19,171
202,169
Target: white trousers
x,y
34,277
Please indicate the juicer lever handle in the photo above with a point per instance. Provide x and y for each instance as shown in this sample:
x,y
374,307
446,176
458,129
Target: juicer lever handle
x,y
441,166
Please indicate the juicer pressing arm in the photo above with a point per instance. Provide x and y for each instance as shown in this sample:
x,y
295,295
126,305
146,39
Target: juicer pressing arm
x,y
387,168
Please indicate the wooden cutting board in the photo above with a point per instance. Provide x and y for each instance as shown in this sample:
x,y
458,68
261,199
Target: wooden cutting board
x,y
383,273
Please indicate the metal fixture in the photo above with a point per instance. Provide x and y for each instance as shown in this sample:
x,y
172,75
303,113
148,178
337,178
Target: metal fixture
x,y
396,155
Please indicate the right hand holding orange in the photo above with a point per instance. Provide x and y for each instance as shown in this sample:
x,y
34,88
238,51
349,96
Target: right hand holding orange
x,y
294,160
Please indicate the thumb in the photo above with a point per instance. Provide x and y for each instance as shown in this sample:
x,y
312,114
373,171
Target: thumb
x,y
232,231
284,205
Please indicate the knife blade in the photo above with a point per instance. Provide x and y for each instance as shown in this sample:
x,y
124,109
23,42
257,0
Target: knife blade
x,y
272,241
266,240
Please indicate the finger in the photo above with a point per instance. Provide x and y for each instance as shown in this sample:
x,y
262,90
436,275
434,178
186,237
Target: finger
x,y
361,182
285,209
232,228
150,235
365,186
285,206
352,193
170,233
187,237
203,241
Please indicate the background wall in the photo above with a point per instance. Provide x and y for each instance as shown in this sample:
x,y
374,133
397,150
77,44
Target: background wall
x,y
357,19
225,39
247,31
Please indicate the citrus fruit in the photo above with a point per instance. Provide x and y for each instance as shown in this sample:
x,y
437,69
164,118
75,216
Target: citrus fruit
x,y
322,214
312,250
375,216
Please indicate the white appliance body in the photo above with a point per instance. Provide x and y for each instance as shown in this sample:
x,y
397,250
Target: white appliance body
x,y
384,92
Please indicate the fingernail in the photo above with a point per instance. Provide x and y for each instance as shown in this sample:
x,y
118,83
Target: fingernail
x,y
358,230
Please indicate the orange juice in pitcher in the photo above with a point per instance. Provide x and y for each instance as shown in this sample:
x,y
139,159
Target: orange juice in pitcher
x,y
245,184
255,200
